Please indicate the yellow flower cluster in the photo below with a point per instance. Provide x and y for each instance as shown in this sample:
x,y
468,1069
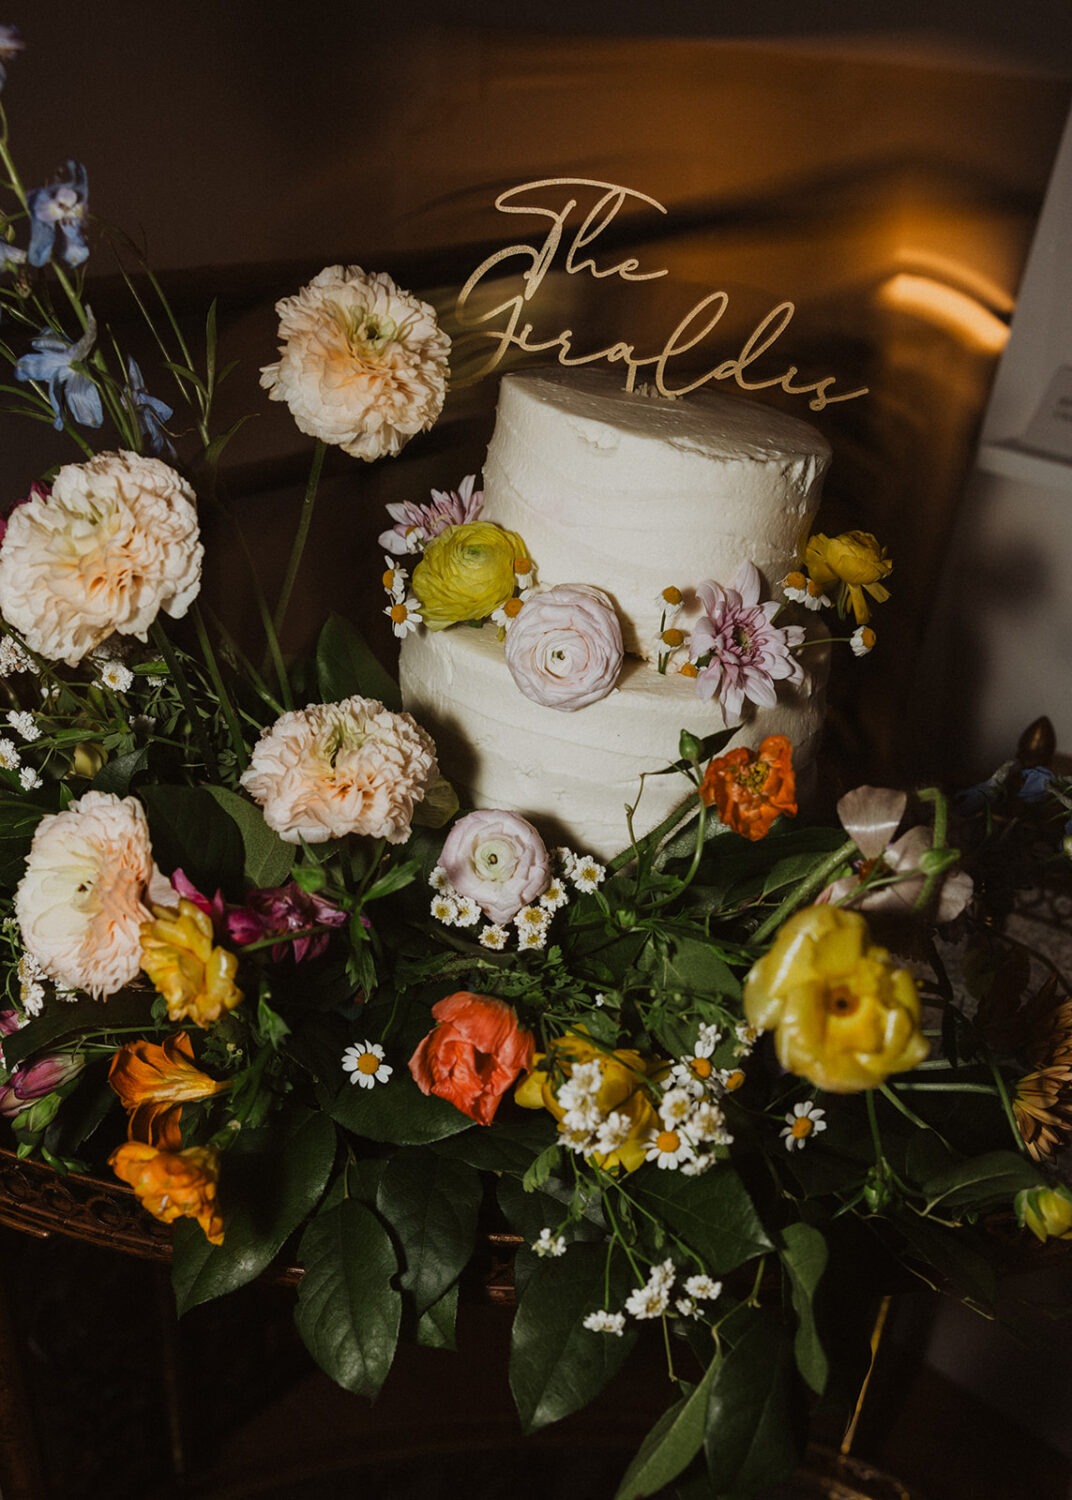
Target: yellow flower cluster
x,y
194,977
622,1091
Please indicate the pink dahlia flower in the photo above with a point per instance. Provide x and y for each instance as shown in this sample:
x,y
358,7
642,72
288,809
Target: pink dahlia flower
x,y
747,653
415,525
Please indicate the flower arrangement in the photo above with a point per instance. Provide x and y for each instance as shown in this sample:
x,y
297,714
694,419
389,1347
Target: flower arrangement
x,y
705,1082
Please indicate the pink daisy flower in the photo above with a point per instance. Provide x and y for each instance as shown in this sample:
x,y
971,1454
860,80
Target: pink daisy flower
x,y
416,525
741,653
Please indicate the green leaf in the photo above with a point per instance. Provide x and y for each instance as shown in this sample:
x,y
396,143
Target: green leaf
x,y
510,1147
397,1112
268,1186
18,820
64,1024
557,1365
988,1181
431,1205
267,859
713,1214
348,1312
754,1412
953,1256
436,1328
190,831
116,775
689,965
671,1445
804,1256
345,666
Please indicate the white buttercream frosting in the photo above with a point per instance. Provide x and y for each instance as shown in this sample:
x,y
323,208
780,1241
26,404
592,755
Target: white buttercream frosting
x,y
631,493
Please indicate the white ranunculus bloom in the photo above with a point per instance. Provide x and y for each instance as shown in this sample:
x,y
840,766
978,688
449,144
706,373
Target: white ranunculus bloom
x,y
330,769
362,363
114,543
88,886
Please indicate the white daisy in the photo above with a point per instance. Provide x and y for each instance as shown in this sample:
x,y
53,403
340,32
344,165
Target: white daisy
x,y
587,874
404,615
707,1123
468,912
669,1149
439,880
862,640
675,1107
605,1322
394,578
364,1062
555,896
549,1244
29,780
803,1121
444,908
116,676
702,1287
493,936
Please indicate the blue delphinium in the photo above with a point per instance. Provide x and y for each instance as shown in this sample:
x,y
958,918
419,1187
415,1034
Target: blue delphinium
x,y
53,362
151,413
60,207
11,255
11,44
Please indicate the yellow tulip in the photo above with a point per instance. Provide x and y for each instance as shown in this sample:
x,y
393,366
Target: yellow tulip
x,y
843,1014
622,1091
1047,1212
194,977
466,572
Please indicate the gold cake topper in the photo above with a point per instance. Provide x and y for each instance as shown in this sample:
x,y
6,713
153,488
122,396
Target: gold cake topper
x,y
573,250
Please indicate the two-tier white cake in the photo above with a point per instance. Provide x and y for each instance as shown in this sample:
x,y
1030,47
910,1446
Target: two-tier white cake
x,y
633,493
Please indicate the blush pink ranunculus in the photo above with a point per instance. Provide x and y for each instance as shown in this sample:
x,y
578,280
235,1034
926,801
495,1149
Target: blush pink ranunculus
x,y
564,650
473,1055
498,859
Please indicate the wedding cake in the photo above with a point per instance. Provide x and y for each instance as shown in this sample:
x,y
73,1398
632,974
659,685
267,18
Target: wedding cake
x,y
635,494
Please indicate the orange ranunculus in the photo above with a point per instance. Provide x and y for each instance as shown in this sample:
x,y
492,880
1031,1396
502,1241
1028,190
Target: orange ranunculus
x,y
173,1184
623,1091
750,789
150,1080
194,977
473,1056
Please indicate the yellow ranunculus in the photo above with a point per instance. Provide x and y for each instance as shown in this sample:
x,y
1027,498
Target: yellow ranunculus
x,y
466,572
844,1016
622,1091
854,561
1047,1212
195,978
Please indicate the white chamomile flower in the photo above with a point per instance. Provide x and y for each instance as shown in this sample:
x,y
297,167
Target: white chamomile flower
x,y
702,1287
675,1107
613,1132
802,1122
468,912
532,917
507,612
533,939
404,615
439,880
155,682
549,1244
647,1302
394,578
707,1123
9,756
29,780
364,1062
687,1307
575,1137
729,1080
587,874
24,725
747,1037
605,1322
696,1166
669,1149
494,936
583,1116
862,640
115,676
669,600
444,908
555,896
803,590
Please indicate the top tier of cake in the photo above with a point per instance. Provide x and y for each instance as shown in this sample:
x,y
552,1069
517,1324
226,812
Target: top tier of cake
x,y
638,492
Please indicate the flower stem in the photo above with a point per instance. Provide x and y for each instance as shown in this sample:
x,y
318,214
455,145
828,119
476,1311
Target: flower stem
x,y
197,720
234,728
300,537
818,878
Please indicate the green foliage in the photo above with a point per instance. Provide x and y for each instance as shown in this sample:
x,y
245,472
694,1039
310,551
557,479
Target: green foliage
x,y
345,666
712,1214
191,831
431,1206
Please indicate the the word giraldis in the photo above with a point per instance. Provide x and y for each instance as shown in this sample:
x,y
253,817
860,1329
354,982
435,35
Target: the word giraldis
x,y
575,212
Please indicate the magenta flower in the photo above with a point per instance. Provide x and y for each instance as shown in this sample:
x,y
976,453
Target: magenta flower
x,y
213,908
281,910
416,525
741,653
28,1083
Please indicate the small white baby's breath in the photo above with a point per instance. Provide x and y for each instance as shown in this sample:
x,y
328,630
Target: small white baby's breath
x,y
605,1322
24,725
9,755
29,779
549,1244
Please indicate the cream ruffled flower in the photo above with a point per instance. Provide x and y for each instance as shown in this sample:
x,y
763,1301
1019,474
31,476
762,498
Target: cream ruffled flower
x,y
115,542
336,768
89,880
363,364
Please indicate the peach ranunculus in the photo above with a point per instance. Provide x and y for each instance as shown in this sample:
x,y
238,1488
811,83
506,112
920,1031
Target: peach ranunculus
x,y
196,979
151,1080
112,544
498,859
83,898
362,363
749,789
843,1014
173,1185
331,769
618,1113
473,1055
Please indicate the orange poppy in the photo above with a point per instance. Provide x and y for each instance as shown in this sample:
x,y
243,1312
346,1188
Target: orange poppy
x,y
173,1184
153,1081
749,789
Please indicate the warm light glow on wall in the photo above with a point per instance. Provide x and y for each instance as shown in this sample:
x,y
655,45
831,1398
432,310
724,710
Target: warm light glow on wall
x,y
943,305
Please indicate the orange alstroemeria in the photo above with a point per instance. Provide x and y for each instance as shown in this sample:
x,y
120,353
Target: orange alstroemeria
x,y
173,1184
749,789
152,1080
